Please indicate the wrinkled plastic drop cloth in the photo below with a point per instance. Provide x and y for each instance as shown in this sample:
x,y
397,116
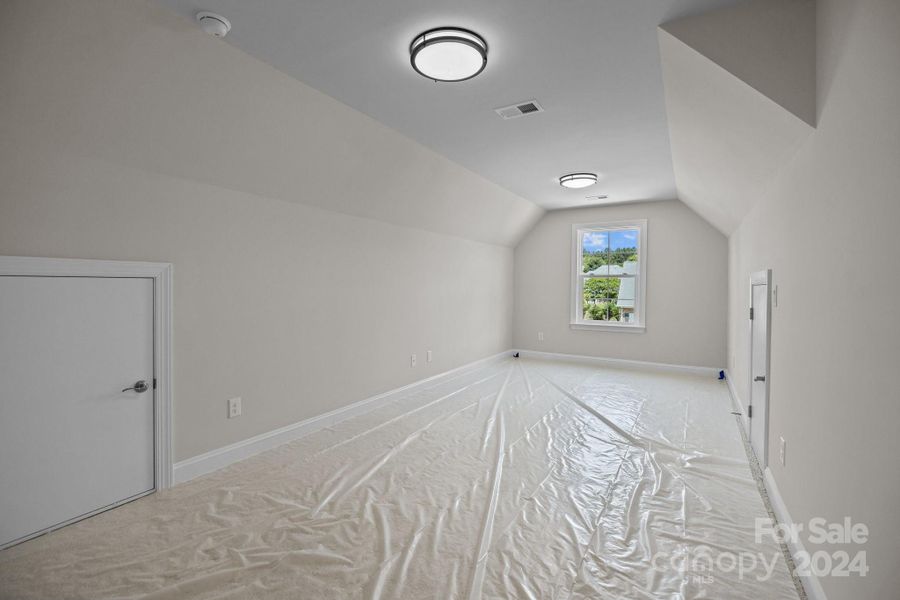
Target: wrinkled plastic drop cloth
x,y
520,479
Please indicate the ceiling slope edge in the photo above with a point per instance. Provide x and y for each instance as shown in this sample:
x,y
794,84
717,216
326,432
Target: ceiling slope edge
x,y
728,140
768,44
172,100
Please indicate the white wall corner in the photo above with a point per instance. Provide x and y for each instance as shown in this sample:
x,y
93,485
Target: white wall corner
x,y
770,45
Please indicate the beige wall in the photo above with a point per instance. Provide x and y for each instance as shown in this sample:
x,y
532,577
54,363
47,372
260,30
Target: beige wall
x,y
828,229
125,133
686,288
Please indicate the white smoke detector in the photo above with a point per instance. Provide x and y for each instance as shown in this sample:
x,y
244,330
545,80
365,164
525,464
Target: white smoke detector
x,y
213,24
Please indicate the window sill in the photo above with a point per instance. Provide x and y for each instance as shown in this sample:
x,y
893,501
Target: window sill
x,y
607,327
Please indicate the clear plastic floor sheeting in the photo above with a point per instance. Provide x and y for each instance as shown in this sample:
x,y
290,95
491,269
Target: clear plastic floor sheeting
x,y
520,479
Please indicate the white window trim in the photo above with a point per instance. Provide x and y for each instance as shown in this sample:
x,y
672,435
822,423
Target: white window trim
x,y
576,320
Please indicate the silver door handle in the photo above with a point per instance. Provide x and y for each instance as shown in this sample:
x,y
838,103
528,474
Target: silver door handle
x,y
759,378
140,387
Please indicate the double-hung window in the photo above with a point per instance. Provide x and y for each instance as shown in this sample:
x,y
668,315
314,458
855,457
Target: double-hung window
x,y
609,266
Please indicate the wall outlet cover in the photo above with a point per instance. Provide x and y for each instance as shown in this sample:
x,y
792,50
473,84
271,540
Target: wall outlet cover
x,y
234,408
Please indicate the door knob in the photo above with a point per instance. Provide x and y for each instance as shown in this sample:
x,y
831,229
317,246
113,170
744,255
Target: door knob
x,y
759,378
140,387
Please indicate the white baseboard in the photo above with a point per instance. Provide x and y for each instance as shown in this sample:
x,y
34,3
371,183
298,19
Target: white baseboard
x,y
620,362
736,402
811,583
214,460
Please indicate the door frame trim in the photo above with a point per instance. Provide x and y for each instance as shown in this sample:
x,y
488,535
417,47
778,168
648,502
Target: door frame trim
x,y
761,278
162,275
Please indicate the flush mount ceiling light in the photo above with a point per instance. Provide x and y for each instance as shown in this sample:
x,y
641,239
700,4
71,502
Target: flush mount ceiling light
x,y
448,54
578,180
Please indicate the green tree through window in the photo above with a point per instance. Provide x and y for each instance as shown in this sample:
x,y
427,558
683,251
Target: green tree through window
x,y
601,288
609,260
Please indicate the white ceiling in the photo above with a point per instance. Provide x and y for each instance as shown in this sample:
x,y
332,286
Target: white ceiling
x,y
594,65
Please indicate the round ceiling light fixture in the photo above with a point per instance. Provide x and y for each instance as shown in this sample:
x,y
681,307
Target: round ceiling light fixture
x,y
578,180
448,54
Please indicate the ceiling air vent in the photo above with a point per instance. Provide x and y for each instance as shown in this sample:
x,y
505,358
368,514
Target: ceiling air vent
x,y
519,109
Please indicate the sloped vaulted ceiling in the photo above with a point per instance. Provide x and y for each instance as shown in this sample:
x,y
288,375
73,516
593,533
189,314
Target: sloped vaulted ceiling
x,y
740,100
592,65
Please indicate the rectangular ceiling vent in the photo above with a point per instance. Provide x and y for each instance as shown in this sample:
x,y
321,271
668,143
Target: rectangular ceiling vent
x,y
519,109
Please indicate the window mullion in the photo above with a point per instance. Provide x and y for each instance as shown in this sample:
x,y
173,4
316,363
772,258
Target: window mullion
x,y
631,307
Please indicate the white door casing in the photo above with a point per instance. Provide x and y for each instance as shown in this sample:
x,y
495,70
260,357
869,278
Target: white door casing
x,y
73,335
760,329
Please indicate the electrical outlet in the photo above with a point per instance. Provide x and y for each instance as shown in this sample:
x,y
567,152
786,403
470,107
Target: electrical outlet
x,y
781,451
234,408
412,360
428,356
540,336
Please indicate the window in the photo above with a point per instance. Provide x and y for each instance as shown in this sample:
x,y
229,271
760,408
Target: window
x,y
608,276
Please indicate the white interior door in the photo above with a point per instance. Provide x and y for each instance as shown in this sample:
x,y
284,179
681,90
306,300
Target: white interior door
x,y
71,441
759,366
